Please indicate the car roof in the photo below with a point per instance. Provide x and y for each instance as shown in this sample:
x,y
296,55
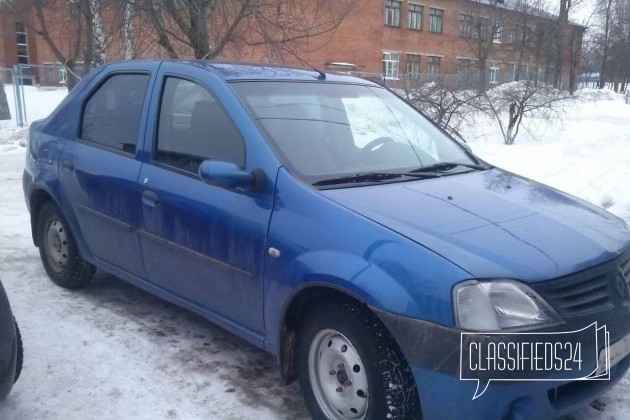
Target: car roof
x,y
234,71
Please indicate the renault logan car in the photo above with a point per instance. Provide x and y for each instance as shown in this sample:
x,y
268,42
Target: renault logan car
x,y
325,220
11,351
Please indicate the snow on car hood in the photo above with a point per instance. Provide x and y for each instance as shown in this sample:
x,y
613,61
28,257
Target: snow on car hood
x,y
494,223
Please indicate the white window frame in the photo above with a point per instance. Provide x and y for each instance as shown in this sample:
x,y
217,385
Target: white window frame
x,y
390,65
467,19
482,26
430,62
462,75
392,13
417,19
436,19
498,33
415,64
510,35
494,72
509,72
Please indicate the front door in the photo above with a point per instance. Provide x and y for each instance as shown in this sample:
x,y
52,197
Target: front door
x,y
202,243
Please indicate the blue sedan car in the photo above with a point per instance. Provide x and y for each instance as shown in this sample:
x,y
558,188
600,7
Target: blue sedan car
x,y
325,220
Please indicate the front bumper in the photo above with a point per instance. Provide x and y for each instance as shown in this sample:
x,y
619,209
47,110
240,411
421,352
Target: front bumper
x,y
433,353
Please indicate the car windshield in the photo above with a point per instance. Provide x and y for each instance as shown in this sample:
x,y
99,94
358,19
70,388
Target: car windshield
x,y
325,132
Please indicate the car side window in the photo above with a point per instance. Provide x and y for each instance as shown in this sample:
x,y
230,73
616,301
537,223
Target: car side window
x,y
193,127
111,116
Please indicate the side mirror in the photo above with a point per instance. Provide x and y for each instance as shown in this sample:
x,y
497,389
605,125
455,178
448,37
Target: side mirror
x,y
466,147
229,175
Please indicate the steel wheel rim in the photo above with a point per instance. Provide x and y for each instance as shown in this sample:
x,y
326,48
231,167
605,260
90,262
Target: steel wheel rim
x,y
56,243
337,376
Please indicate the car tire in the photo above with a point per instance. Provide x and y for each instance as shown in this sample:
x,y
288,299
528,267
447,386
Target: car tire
x,y
20,352
59,251
350,367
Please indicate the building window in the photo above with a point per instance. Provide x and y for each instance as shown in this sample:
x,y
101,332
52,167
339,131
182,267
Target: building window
x,y
463,66
483,23
527,35
494,72
415,16
497,36
435,20
392,13
390,65
22,43
433,65
510,36
521,72
509,73
465,25
412,65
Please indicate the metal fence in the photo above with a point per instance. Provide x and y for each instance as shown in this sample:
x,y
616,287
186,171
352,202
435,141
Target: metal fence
x,y
51,74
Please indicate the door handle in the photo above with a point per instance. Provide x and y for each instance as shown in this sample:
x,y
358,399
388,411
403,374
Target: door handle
x,y
67,164
150,198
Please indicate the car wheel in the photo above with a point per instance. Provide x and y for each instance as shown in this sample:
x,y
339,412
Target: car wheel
x,y
59,252
350,367
20,353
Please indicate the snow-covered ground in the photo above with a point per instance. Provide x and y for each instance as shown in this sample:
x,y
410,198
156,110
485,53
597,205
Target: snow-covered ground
x,y
111,351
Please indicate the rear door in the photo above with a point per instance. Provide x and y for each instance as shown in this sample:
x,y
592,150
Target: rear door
x,y
202,243
99,170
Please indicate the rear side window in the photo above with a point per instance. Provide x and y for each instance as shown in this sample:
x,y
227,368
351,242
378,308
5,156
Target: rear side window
x,y
111,116
193,127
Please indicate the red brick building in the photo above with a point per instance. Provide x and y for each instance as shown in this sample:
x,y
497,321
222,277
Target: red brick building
x,y
398,39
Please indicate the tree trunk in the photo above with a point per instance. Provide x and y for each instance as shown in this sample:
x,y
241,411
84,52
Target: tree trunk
x,y
98,33
5,114
130,14
73,77
602,72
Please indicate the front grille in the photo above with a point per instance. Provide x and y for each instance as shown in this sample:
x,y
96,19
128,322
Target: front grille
x,y
578,294
587,291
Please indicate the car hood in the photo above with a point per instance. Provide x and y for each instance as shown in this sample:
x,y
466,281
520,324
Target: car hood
x,y
493,223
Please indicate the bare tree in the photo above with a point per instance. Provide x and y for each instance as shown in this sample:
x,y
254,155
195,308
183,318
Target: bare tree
x,y
522,99
481,23
72,29
207,29
618,69
606,12
446,106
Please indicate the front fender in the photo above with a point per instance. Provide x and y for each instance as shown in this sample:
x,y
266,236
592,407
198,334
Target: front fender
x,y
321,243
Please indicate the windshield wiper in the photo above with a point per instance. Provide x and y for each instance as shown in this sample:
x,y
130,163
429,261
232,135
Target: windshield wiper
x,y
373,177
445,166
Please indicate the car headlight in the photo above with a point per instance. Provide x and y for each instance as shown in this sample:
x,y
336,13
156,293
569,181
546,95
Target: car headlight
x,y
501,305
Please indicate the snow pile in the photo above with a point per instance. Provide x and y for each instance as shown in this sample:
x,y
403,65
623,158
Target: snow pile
x,y
586,152
588,94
